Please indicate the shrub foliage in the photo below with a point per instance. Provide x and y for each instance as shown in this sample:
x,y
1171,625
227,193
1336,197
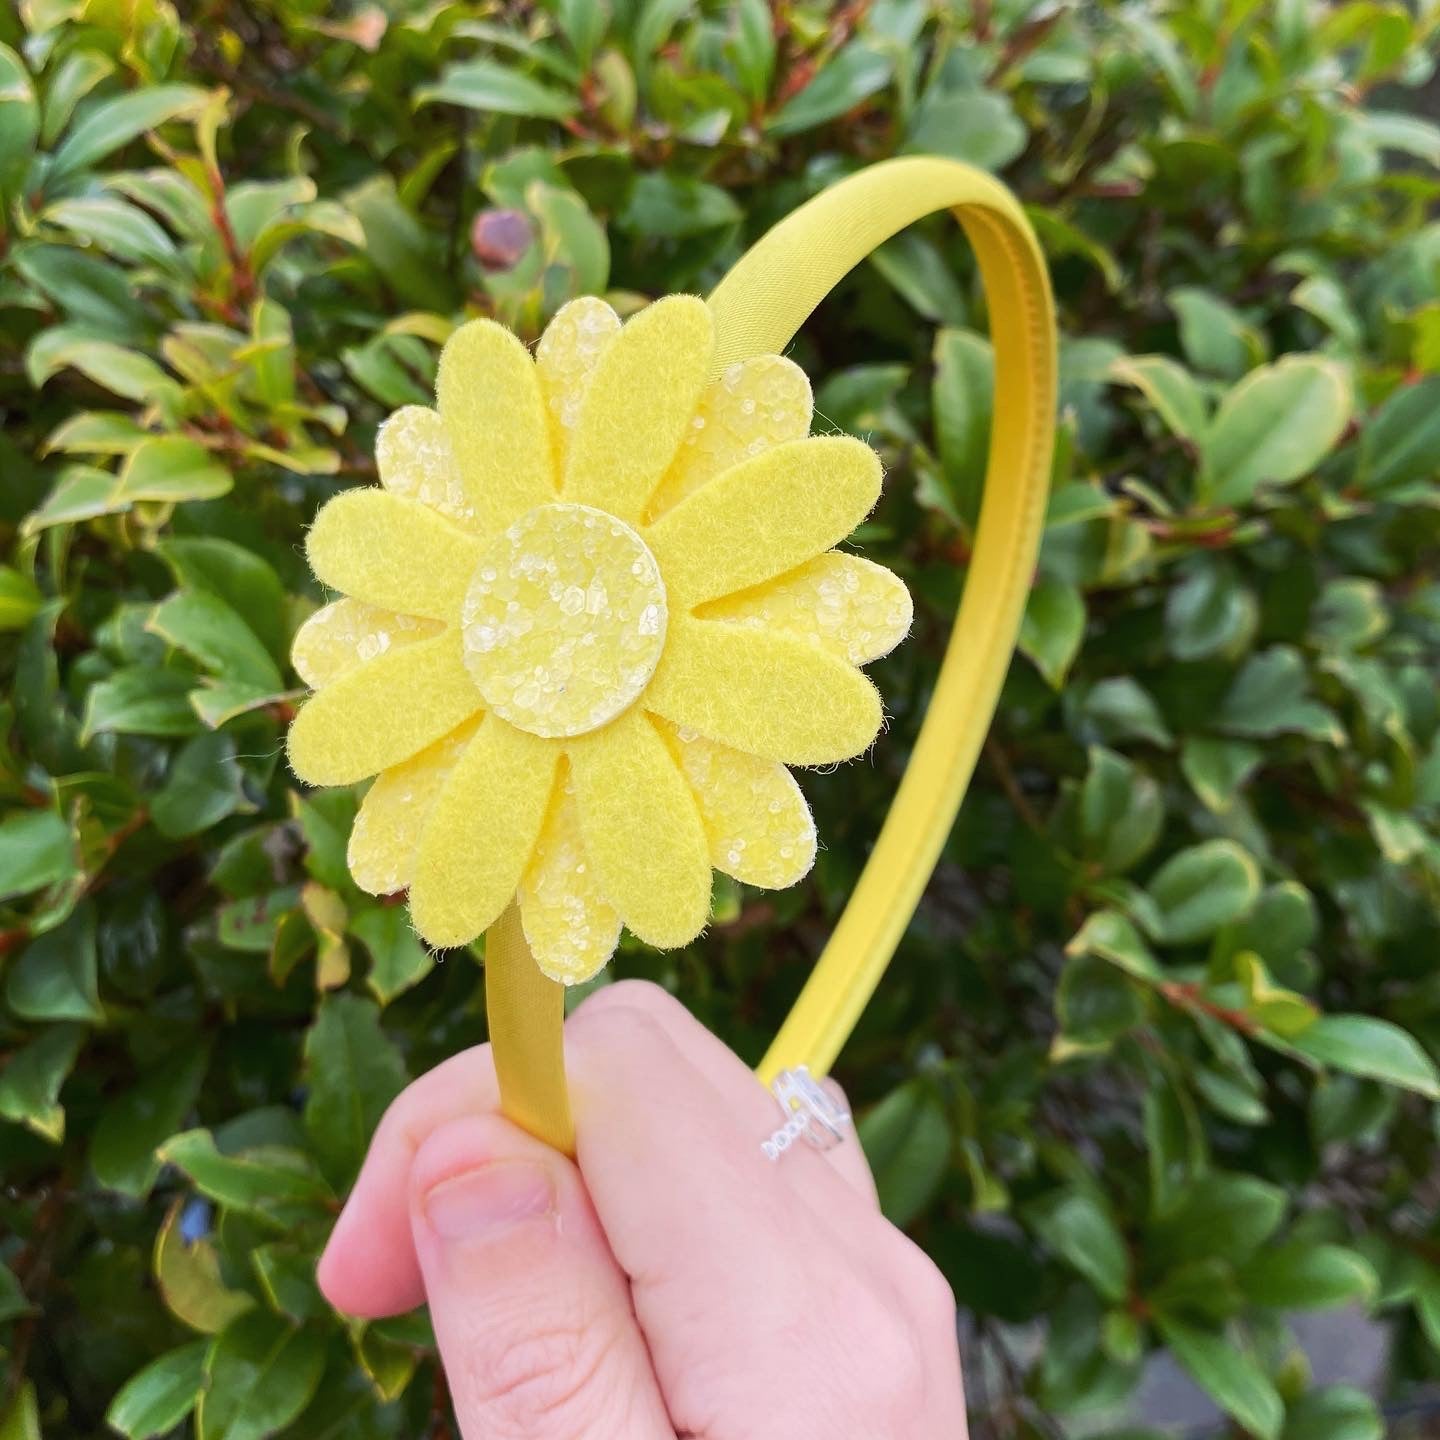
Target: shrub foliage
x,y
1153,1068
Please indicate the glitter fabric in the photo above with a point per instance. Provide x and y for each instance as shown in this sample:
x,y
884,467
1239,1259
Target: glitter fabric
x,y
591,614
564,621
853,607
342,635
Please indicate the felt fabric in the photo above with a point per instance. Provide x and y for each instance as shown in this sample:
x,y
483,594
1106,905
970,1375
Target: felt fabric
x,y
499,428
383,712
571,927
566,358
346,633
387,829
642,830
415,459
774,695
622,444
853,607
393,552
500,630
751,408
481,832
776,510
757,824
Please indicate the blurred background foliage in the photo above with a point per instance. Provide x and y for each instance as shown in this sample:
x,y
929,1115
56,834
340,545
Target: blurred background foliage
x,y
1154,1068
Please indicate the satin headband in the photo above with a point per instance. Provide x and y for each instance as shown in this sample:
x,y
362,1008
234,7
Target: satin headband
x,y
754,312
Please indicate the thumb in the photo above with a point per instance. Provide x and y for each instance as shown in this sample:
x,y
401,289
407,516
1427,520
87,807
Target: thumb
x,y
531,1310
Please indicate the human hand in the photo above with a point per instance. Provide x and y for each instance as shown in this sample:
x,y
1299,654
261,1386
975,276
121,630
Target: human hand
x,y
673,1282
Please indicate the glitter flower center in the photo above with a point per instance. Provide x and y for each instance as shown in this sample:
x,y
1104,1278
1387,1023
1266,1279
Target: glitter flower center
x,y
564,620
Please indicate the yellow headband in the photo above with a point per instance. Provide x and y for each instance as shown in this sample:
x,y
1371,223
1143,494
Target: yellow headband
x,y
757,309
593,612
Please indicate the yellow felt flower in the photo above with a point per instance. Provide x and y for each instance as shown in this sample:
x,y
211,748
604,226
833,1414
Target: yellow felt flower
x,y
590,616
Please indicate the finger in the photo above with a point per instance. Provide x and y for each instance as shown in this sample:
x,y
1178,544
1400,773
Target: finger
x,y
531,1313
369,1267
729,1074
770,1305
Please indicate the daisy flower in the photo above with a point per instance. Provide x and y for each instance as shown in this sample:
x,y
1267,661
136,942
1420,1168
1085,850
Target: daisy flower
x,y
590,615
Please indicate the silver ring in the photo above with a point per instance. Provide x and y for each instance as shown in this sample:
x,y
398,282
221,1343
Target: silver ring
x,y
809,1109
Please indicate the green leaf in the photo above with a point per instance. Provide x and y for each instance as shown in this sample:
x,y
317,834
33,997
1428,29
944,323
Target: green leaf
x,y
1228,1375
1270,696
1338,1412
1170,389
1110,935
354,1072
36,850
12,1297
1203,888
55,977
31,1080
19,122
1213,335
1306,1276
1121,812
262,1181
914,267
1095,1003
209,630
154,1401
979,127
112,123
134,1126
1218,769
1053,628
906,1138
1121,709
1225,1216
260,1373
1400,444
203,786
116,368
187,1275
140,700
842,83
116,226
1210,612
20,601
667,206
492,87
1273,428
405,255
237,576
1080,1230
398,957
1376,1049
962,397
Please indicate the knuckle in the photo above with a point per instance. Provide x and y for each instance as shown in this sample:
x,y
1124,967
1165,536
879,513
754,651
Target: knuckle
x,y
891,1354
546,1380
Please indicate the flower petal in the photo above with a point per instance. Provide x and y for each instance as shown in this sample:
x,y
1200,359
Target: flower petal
x,y
764,516
571,928
642,831
760,403
392,552
386,834
415,459
758,825
566,358
346,633
383,712
642,397
495,417
853,607
481,833
766,693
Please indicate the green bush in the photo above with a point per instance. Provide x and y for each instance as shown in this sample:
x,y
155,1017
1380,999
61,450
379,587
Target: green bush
x,y
1151,1067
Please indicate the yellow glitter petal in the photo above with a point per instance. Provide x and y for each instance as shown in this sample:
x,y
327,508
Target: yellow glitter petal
x,y
386,833
753,407
382,712
642,830
758,825
481,833
495,416
415,459
642,396
572,929
771,694
764,516
392,552
346,633
566,358
853,607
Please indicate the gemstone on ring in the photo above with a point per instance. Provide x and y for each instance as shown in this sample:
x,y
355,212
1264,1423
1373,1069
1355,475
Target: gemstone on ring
x,y
809,1109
